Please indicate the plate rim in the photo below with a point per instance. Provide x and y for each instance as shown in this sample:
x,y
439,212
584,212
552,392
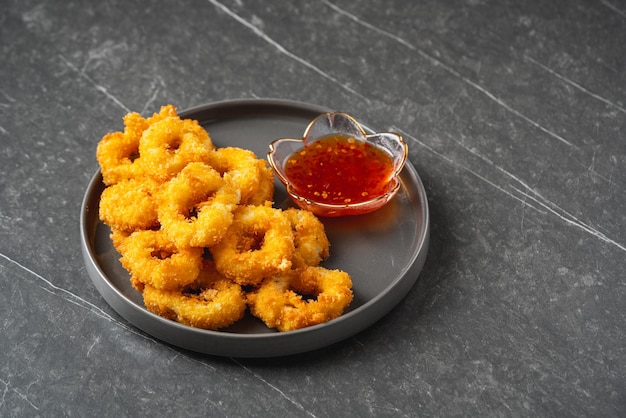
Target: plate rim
x,y
345,323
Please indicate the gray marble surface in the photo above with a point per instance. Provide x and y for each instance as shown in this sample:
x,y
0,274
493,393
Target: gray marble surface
x,y
515,115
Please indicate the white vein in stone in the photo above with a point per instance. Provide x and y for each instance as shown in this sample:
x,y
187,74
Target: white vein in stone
x,y
71,297
529,194
368,25
96,341
575,85
614,8
492,164
97,86
572,219
150,100
6,96
283,50
569,218
589,169
495,98
283,394
8,387
455,73
77,300
455,164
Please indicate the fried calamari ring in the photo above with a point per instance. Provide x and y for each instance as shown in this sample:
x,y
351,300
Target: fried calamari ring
x,y
135,124
168,145
153,259
130,205
117,155
196,207
119,238
310,240
210,302
259,243
239,167
118,152
265,191
282,301
166,111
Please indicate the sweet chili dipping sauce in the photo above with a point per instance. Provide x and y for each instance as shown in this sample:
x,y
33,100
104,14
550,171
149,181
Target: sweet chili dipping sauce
x,y
338,169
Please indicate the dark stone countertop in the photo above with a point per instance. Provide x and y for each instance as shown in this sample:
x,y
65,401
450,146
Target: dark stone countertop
x,y
515,115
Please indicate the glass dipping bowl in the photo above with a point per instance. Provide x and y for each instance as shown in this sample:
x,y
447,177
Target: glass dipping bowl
x,y
322,127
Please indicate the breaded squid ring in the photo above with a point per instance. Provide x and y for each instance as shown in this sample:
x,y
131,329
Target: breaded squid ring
x,y
118,238
166,111
259,243
196,207
280,304
265,190
153,259
238,166
118,152
211,302
130,205
168,145
311,243
135,124
117,155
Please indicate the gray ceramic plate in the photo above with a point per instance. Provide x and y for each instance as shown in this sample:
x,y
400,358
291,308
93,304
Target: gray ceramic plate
x,y
383,251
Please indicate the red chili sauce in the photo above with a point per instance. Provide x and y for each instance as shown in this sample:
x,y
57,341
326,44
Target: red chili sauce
x,y
338,169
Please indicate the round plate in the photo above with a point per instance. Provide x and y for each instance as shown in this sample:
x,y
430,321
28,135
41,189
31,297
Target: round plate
x,y
383,251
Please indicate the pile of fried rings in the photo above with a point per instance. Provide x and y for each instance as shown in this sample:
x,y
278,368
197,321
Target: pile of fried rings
x,y
197,232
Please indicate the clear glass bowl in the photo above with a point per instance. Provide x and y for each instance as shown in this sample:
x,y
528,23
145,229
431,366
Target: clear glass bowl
x,y
339,123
